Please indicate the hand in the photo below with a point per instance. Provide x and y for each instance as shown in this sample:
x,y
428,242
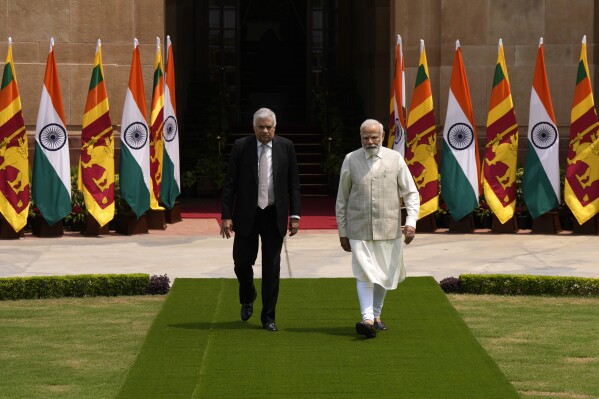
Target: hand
x,y
293,226
409,233
345,244
226,228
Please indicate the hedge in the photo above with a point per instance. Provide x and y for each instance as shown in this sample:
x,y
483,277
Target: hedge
x,y
516,284
82,285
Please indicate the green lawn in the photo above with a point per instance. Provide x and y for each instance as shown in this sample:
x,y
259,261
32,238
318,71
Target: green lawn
x,y
83,348
71,348
198,348
547,347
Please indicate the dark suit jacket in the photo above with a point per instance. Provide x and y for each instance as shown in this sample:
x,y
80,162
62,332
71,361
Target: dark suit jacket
x,y
240,188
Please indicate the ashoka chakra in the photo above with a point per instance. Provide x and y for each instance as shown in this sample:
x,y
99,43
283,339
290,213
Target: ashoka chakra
x,y
136,135
170,128
53,137
460,136
543,135
399,132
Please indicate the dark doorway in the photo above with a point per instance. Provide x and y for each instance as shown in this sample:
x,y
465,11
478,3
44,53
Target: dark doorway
x,y
272,63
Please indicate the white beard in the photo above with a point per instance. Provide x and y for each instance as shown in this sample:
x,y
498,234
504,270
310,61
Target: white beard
x,y
373,150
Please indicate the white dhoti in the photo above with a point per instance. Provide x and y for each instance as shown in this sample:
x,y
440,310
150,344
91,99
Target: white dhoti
x,y
379,262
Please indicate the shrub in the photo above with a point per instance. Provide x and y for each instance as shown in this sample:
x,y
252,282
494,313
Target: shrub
x,y
513,284
451,285
82,285
159,285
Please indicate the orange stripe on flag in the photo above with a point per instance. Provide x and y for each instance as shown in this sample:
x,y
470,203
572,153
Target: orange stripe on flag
x,y
540,85
95,96
136,84
9,93
53,85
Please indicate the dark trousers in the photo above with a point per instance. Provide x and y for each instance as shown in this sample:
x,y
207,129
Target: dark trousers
x,y
245,252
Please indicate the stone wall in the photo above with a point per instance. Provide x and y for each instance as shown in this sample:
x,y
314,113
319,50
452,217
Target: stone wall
x,y
479,24
76,26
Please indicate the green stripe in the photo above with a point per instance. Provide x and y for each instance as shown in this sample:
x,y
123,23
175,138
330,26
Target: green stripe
x,y
49,194
157,75
536,188
133,187
96,77
421,77
169,190
582,73
7,76
456,190
498,75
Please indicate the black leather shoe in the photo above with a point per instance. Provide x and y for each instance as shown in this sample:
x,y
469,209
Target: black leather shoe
x,y
271,326
247,309
380,326
366,330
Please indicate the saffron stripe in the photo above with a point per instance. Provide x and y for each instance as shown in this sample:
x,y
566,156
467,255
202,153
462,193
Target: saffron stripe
x,y
95,97
96,112
9,112
500,110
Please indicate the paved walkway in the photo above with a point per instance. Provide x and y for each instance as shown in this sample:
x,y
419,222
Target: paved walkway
x,y
194,248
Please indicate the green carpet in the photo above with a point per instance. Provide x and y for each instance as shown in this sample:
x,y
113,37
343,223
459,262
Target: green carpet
x,y
199,348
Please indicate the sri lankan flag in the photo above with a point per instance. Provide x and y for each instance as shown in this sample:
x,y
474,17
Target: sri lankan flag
x,y
96,163
14,155
156,133
397,106
501,149
581,187
171,176
422,140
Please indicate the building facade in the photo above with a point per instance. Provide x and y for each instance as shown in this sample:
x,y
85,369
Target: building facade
x,y
248,54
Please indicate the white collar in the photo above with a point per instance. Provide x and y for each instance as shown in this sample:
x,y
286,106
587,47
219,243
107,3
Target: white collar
x,y
260,144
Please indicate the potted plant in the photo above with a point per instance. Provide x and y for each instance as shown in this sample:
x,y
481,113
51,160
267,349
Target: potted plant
x,y
442,216
332,167
522,214
210,175
76,219
188,184
483,216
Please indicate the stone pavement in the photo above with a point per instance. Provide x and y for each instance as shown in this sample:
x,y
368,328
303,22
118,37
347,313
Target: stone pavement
x,y
194,248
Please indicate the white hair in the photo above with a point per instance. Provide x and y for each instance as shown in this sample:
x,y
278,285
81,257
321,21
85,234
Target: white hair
x,y
369,122
264,113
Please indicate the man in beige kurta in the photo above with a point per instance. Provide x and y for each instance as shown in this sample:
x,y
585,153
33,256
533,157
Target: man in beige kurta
x,y
373,180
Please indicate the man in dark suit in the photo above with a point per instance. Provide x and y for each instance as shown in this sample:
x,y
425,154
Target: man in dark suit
x,y
260,193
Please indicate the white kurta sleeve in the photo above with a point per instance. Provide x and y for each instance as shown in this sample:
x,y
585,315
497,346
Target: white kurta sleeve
x,y
342,198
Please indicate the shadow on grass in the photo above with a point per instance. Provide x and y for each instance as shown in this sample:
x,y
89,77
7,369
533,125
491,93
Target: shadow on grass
x,y
226,325
238,325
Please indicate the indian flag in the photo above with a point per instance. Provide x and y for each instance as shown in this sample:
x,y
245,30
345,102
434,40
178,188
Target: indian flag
x,y
96,163
460,170
171,175
422,140
581,187
135,147
397,106
501,149
156,134
14,154
51,165
541,180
